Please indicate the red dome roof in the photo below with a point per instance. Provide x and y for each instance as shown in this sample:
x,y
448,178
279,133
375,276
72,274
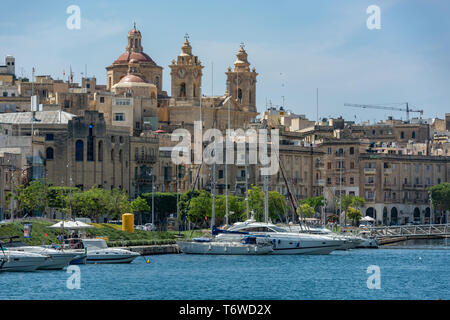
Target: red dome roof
x,y
134,31
132,78
138,56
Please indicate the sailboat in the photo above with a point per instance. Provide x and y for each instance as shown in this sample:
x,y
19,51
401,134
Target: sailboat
x,y
242,244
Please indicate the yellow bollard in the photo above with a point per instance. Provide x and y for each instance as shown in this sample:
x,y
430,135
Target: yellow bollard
x,y
128,222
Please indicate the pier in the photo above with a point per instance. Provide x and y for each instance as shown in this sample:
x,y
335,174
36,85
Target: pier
x,y
154,249
391,234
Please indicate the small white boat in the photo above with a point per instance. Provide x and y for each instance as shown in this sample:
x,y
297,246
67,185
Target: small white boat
x,y
367,241
58,259
248,246
21,261
97,251
283,241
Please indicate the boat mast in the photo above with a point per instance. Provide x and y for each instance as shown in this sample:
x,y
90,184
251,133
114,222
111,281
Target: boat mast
x,y
213,184
266,183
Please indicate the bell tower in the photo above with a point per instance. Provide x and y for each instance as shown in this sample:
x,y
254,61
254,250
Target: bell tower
x,y
241,82
134,40
186,75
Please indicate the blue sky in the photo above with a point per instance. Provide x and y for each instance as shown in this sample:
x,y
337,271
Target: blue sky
x,y
295,46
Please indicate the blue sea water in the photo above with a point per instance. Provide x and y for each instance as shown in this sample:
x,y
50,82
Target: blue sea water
x,y
405,274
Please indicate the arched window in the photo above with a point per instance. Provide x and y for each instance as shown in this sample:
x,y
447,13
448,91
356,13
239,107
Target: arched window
x,y
182,90
90,144
79,150
240,95
402,135
49,153
100,151
413,135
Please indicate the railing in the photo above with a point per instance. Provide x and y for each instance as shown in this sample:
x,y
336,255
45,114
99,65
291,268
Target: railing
x,y
411,231
145,159
370,170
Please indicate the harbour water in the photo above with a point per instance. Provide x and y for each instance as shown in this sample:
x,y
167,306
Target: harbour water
x,y
405,273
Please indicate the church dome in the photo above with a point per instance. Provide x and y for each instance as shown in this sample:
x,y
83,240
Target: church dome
x,y
138,56
132,78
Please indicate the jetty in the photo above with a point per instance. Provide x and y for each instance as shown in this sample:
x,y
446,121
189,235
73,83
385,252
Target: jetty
x,y
391,234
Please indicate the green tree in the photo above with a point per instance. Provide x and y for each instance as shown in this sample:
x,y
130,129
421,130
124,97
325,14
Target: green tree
x,y
92,203
118,202
31,198
256,202
314,202
201,207
277,206
440,196
140,205
354,215
236,205
305,210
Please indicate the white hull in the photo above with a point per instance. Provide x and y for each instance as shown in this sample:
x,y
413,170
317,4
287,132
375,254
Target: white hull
x,y
57,259
108,259
21,261
368,243
223,248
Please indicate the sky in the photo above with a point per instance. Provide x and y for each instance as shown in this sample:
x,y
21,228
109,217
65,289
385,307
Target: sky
x,y
296,47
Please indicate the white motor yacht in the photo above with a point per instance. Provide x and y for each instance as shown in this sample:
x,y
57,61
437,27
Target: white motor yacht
x,y
98,252
11,260
249,245
283,241
58,259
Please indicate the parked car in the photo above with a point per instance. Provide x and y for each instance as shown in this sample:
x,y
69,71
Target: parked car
x,y
149,227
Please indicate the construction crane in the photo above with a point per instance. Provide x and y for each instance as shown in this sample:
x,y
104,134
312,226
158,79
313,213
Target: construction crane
x,y
407,109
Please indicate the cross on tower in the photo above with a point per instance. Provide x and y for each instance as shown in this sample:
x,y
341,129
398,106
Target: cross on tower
x,y
242,45
186,36
134,24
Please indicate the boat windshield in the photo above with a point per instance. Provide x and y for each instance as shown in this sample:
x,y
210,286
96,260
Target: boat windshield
x,y
262,229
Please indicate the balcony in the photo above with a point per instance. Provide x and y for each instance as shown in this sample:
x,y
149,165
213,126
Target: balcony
x,y
370,170
145,159
387,170
320,182
143,178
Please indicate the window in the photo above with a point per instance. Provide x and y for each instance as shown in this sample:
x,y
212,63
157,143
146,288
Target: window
x,y
112,155
5,94
79,150
352,165
119,117
90,144
352,150
100,151
402,135
220,174
182,90
329,150
102,99
413,135
49,153
49,137
88,85
352,180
